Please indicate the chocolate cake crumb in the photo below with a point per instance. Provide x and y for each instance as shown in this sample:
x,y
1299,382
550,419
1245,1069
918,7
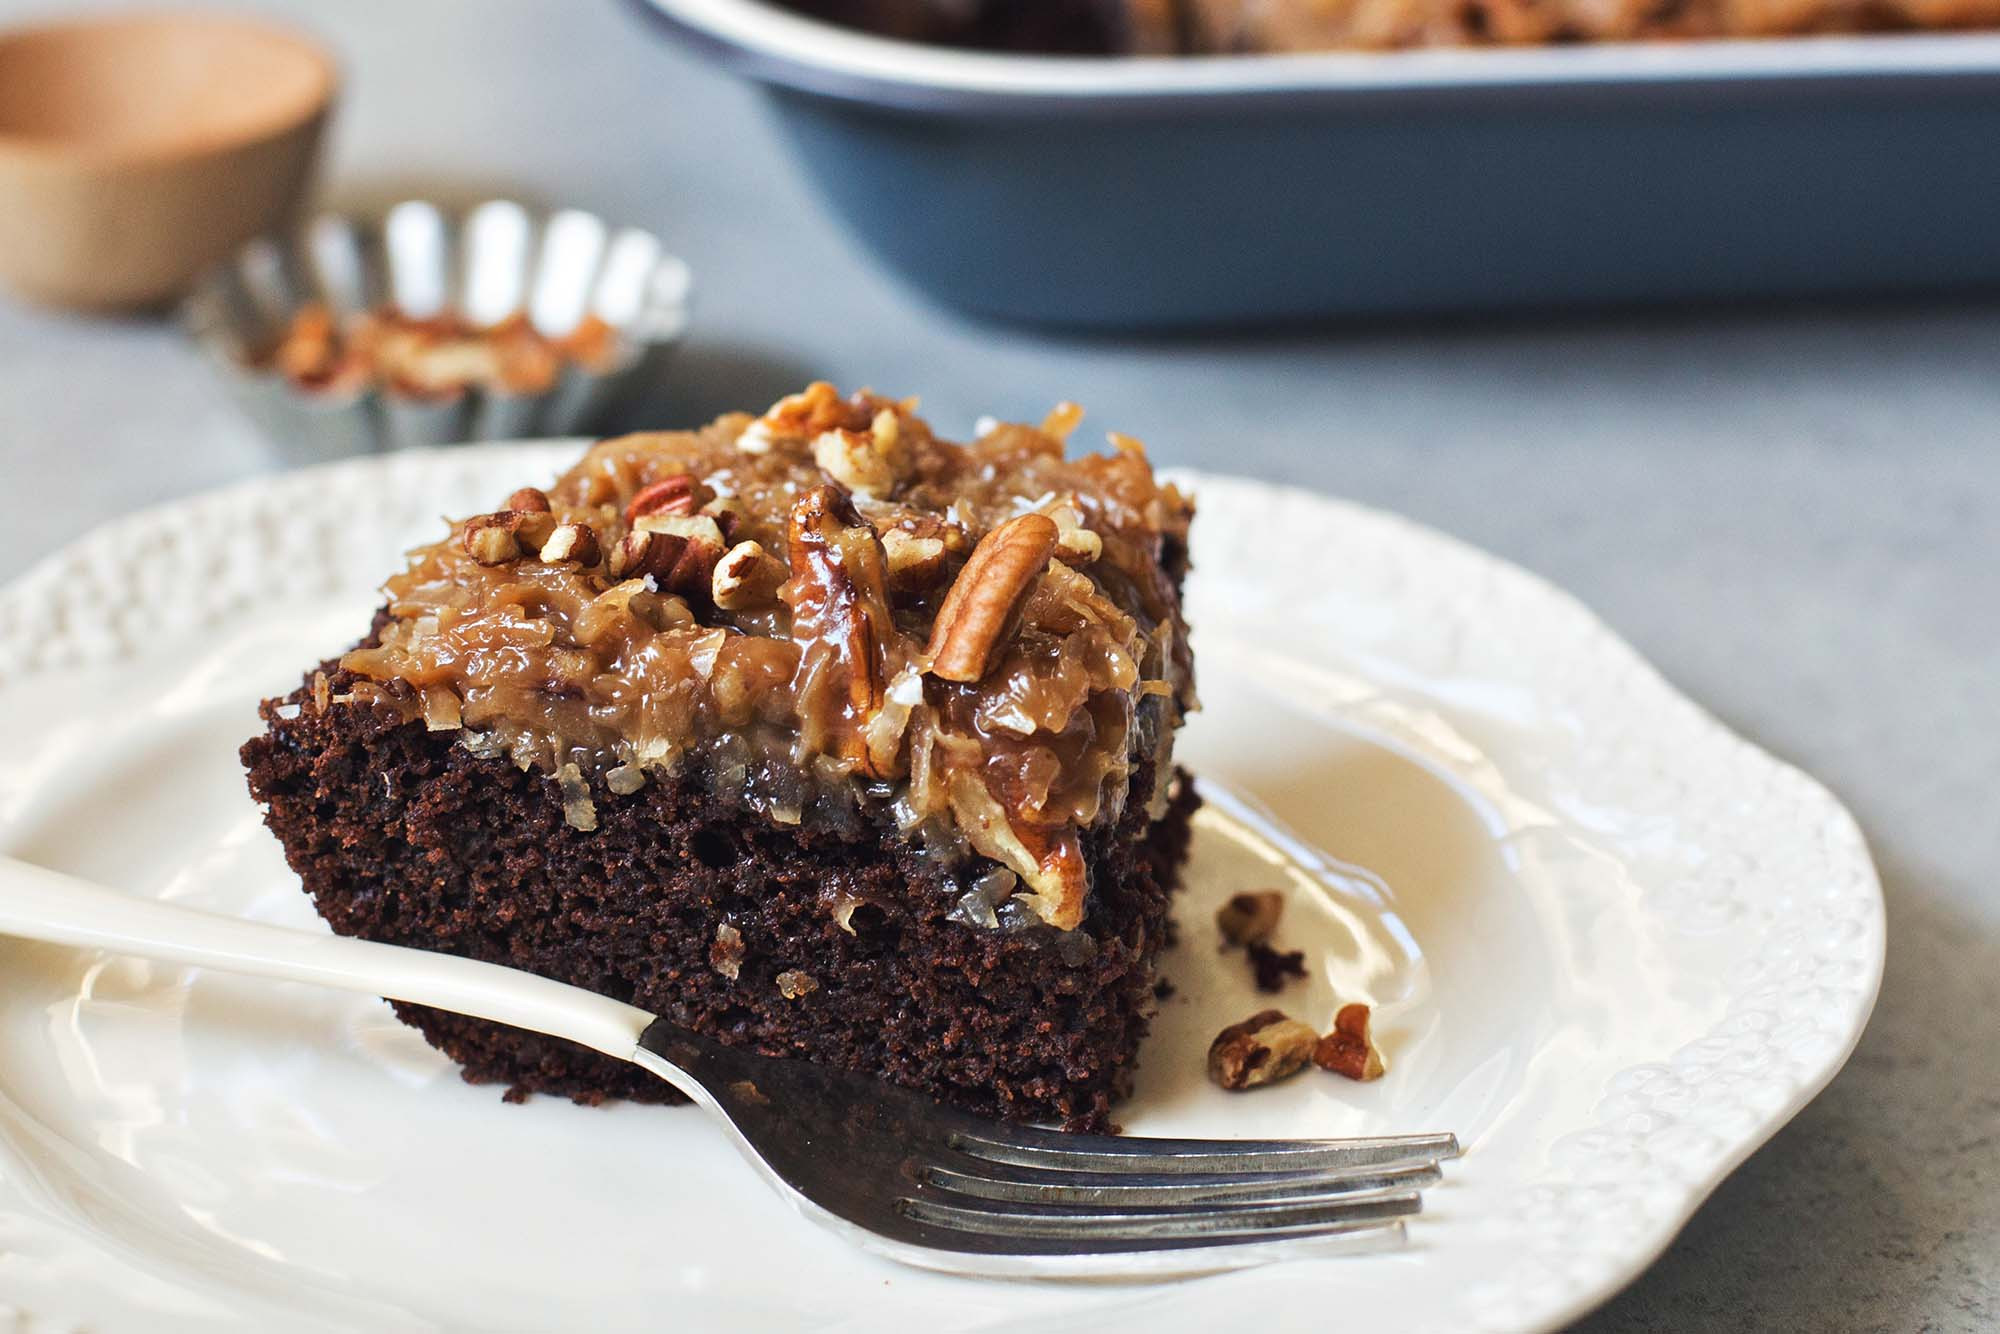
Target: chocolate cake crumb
x,y
1272,967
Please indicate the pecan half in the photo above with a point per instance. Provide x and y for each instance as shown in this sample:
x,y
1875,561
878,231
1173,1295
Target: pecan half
x,y
841,622
1266,1047
979,612
1348,1050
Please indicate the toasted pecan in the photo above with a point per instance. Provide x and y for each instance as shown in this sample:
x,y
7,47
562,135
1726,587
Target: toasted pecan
x,y
572,543
529,500
745,577
1061,879
1348,1049
915,562
980,611
680,493
1266,1047
489,538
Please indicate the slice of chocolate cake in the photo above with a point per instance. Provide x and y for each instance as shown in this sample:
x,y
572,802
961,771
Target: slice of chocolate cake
x,y
808,731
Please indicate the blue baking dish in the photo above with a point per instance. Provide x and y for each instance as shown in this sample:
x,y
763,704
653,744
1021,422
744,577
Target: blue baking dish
x,y
1160,193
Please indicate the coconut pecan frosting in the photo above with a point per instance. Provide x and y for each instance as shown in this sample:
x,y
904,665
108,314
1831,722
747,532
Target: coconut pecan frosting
x,y
838,615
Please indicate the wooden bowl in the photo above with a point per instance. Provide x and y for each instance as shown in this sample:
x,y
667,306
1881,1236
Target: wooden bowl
x,y
136,150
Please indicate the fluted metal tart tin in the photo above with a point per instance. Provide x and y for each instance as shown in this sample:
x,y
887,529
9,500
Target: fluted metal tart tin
x,y
1156,193
486,264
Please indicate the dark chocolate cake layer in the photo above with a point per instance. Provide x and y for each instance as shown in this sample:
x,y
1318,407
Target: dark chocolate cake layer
x,y
830,944
812,731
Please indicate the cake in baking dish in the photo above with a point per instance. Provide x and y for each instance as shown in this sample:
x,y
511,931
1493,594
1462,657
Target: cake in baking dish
x,y
1212,27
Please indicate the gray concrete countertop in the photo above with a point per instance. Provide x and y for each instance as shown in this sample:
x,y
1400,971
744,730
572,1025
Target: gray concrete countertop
x,y
1795,514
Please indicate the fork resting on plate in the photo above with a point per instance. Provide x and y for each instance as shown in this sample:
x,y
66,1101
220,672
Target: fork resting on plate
x,y
901,1175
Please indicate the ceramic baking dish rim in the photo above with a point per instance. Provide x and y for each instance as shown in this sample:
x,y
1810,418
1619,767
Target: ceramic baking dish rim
x,y
806,55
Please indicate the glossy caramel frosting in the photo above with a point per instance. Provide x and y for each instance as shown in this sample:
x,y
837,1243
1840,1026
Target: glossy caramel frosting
x,y
837,616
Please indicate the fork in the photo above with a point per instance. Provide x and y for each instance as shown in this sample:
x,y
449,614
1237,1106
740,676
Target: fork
x,y
903,1176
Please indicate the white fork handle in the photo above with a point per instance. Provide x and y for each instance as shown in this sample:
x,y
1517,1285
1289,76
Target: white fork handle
x,y
40,904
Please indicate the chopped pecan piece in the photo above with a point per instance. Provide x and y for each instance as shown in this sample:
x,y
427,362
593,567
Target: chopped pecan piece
x,y
746,576
841,622
868,463
572,542
697,530
726,954
529,500
979,612
678,494
489,539
1250,918
679,551
638,554
1266,1047
727,511
533,528
1348,1050
815,409
579,811
1060,879
915,563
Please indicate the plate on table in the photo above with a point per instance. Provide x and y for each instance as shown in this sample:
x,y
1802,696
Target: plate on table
x,y
1609,944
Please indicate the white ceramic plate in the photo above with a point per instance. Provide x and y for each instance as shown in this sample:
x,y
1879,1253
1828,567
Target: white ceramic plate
x,y
1611,945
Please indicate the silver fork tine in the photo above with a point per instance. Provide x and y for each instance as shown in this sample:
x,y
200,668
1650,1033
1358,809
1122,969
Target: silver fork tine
x,y
1026,1146
1092,1253
1005,1182
952,1190
1011,1219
